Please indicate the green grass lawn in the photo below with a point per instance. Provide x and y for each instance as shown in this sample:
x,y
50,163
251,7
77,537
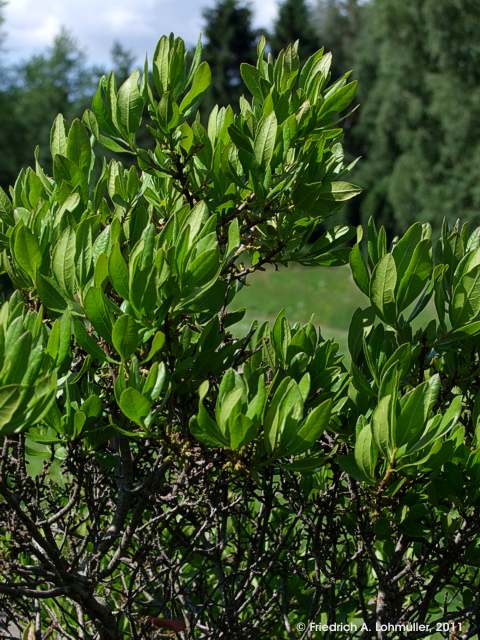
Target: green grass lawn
x,y
329,294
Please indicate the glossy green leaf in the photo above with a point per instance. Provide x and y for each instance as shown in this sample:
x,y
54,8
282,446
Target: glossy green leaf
x,y
313,427
58,345
155,382
365,453
125,336
359,270
382,288
130,104
415,409
265,138
415,276
88,343
381,425
63,260
465,305
338,100
201,81
9,401
251,78
118,271
79,149
97,312
27,251
58,137
338,191
50,295
203,427
134,405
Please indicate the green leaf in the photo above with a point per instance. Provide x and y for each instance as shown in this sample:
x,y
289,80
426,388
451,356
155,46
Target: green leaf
x,y
205,430
465,305
251,78
134,405
161,66
9,400
338,100
361,323
79,149
403,250
92,407
365,453
27,251
158,343
202,79
125,336
359,270
130,104
465,331
438,427
381,425
203,268
63,260
203,427
58,137
17,358
265,140
338,191
313,427
58,345
97,312
87,343
242,431
6,208
233,239
118,271
283,415
414,276
415,409
155,381
382,288
257,405
50,295
308,465
83,250
389,378
281,336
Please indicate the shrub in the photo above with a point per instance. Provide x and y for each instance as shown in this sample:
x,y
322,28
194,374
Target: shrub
x,y
160,474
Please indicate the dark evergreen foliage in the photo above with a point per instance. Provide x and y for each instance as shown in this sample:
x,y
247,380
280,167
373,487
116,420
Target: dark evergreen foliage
x,y
294,22
230,39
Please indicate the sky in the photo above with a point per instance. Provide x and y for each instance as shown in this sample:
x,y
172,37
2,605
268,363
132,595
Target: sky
x,y
31,25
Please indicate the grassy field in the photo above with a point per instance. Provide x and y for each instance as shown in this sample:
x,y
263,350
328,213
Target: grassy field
x,y
329,294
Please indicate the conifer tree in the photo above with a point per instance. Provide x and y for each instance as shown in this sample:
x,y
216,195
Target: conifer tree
x,y
294,22
230,39
338,23
418,65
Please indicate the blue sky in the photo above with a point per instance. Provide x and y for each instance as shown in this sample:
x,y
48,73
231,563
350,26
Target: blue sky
x,y
31,25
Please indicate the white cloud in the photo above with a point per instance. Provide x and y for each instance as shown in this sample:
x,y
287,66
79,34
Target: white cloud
x,y
265,12
31,25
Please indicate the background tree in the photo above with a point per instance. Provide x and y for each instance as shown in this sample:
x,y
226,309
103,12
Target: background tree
x,y
418,63
230,39
294,22
123,61
337,23
57,81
